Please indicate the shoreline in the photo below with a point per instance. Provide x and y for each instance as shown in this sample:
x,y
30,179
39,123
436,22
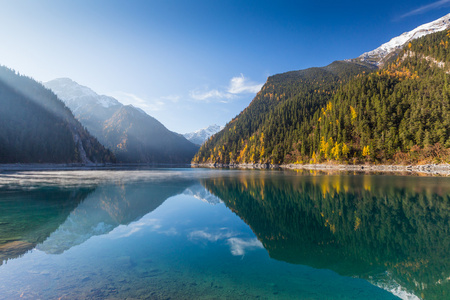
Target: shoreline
x,y
50,166
430,169
80,166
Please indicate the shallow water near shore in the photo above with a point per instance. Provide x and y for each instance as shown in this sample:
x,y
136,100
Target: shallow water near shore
x,y
226,234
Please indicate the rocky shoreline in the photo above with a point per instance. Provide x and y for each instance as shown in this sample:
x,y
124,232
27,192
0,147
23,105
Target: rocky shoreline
x,y
431,169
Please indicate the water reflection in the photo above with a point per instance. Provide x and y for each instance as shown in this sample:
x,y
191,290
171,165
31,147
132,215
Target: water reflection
x,y
53,211
28,217
119,237
199,192
392,231
108,207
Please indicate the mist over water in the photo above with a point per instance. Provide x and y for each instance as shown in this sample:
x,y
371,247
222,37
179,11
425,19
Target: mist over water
x,y
200,233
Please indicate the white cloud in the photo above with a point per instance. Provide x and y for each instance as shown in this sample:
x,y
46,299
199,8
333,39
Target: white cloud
x,y
208,95
237,86
240,85
151,224
426,8
148,106
238,246
128,230
170,231
172,98
211,237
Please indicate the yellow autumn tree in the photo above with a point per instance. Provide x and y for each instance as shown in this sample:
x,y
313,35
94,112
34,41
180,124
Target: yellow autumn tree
x,y
314,158
241,156
261,139
252,154
345,150
323,146
329,148
336,151
353,113
366,151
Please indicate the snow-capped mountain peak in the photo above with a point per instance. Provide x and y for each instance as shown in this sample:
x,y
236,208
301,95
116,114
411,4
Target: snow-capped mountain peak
x,y
69,91
378,55
200,136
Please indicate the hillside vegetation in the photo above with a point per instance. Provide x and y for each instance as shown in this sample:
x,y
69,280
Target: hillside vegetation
x,y
36,127
347,112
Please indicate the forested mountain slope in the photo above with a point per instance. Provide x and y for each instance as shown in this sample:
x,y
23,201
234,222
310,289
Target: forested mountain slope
x,y
398,114
36,127
270,127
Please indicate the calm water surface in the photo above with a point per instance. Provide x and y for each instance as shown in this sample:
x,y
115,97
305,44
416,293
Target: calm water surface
x,y
223,234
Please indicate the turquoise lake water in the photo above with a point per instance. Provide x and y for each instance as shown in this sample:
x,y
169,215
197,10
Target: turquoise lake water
x,y
223,234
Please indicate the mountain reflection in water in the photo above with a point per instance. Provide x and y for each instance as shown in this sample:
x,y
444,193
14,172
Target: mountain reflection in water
x,y
106,208
381,228
392,231
71,210
28,217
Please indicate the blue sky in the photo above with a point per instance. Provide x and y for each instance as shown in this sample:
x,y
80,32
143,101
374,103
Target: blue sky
x,y
193,63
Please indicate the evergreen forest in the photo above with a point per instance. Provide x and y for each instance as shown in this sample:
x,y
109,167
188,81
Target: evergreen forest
x,y
36,127
347,112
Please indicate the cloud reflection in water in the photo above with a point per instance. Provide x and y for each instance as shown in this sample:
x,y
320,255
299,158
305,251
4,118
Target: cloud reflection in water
x,y
238,246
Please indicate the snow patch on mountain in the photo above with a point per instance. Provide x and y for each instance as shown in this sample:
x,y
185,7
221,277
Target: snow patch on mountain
x,y
69,92
202,135
199,192
376,56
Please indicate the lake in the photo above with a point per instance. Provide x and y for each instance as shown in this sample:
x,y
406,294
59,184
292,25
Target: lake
x,y
223,234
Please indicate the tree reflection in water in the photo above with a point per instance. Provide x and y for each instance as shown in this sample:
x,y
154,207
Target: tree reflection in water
x,y
380,228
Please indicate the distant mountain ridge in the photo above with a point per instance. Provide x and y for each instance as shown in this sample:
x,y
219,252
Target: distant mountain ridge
x,y
200,136
36,127
130,133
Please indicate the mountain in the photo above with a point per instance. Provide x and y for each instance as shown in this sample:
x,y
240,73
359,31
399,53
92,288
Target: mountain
x,y
131,134
351,111
379,56
36,127
88,107
200,136
269,128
